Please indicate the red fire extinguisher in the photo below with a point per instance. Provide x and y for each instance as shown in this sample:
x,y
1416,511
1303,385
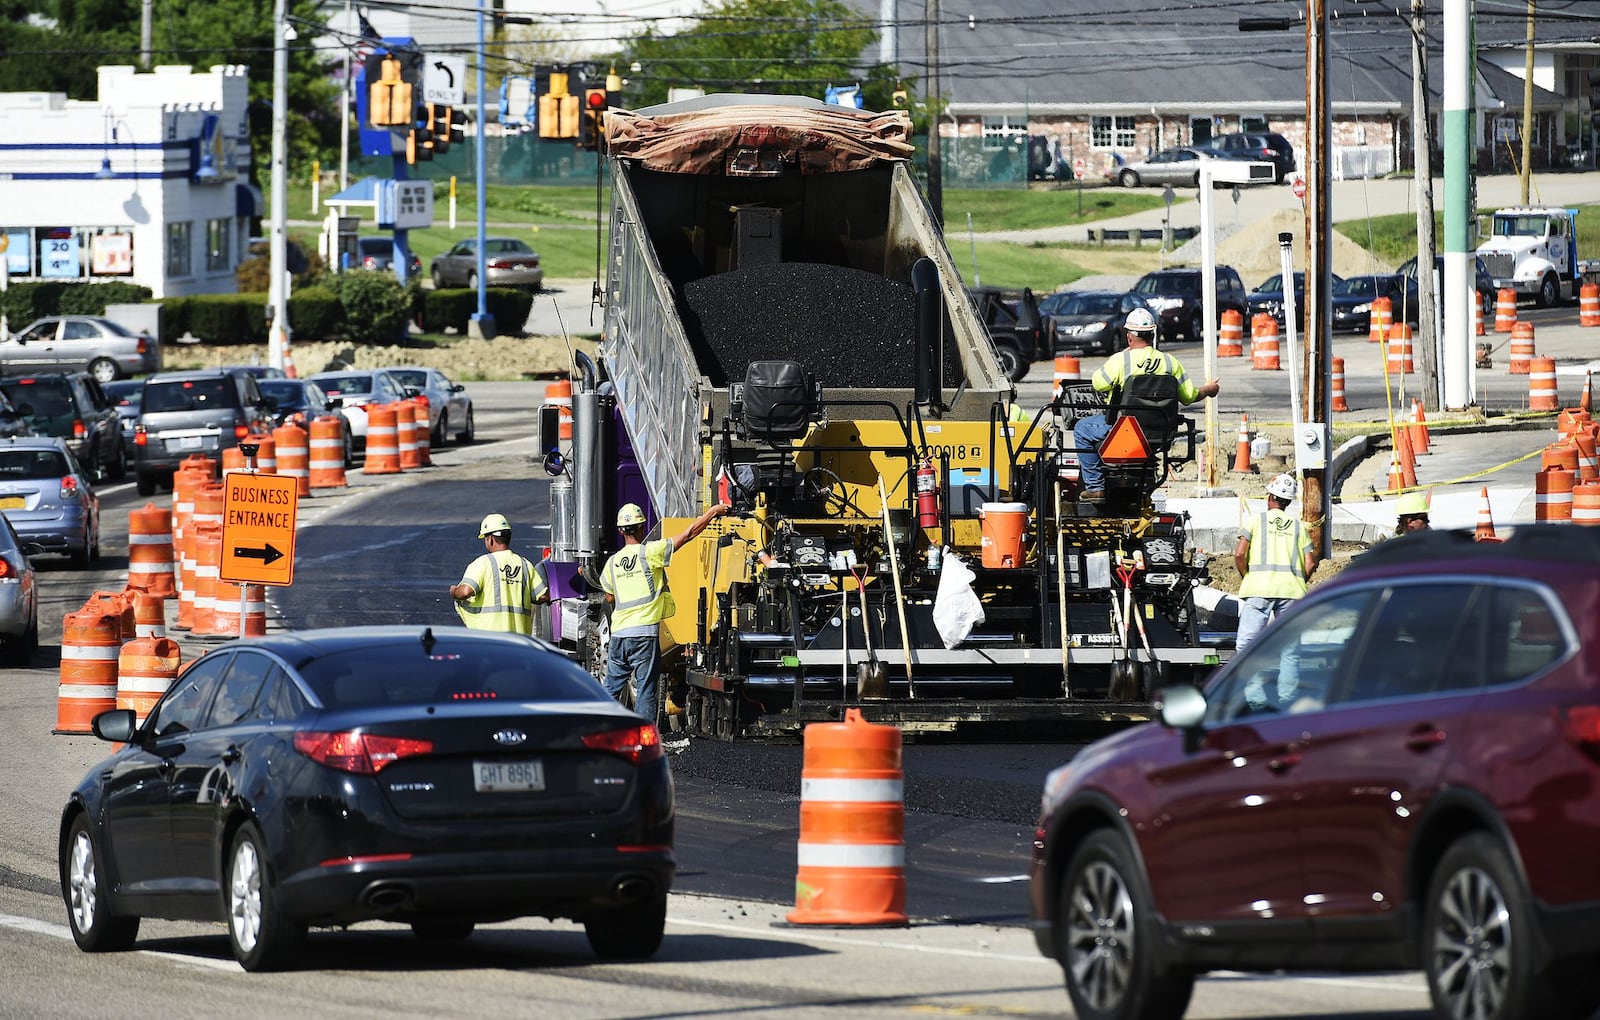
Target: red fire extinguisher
x,y
927,494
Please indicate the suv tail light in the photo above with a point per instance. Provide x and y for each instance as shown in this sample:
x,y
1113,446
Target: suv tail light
x,y
241,431
7,570
141,437
69,487
78,431
356,752
638,744
143,346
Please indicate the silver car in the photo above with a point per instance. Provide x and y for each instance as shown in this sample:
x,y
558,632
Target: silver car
x,y
1169,166
508,263
449,407
19,598
48,497
80,343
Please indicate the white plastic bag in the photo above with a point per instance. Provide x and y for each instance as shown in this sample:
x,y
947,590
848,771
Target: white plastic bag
x,y
956,608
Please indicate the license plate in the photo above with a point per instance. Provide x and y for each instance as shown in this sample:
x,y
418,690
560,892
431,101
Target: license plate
x,y
508,776
189,442
13,502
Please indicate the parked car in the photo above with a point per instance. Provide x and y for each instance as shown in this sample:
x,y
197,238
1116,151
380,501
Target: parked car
x,y
449,406
49,498
377,254
1267,298
1353,297
184,413
1174,295
1180,166
508,263
125,395
73,407
1090,320
80,343
1015,326
1482,280
1399,773
300,402
1262,145
19,597
442,778
358,391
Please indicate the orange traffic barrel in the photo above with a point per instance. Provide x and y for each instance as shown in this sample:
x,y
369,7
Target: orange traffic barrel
x,y
852,826
1230,340
149,615
405,426
1264,349
294,457
1562,455
90,642
383,443
118,604
559,394
1339,403
1505,310
1401,361
1586,504
1589,305
186,565
1573,420
1068,369
232,460
1588,463
1542,395
1380,320
146,667
1552,494
1522,348
207,565
327,453
266,453
251,602
150,550
1477,313
422,415
186,480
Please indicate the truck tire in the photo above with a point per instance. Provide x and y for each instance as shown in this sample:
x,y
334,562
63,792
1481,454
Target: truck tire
x,y
1549,291
1012,363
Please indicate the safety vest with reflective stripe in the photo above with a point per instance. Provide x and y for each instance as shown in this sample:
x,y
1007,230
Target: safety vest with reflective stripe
x,y
636,577
1278,545
504,587
1144,361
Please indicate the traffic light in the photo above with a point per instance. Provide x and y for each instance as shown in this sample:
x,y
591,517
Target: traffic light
x,y
389,94
558,109
592,131
419,140
448,128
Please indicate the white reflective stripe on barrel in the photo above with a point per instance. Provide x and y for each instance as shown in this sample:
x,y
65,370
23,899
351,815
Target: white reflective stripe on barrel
x,y
95,691
859,791
149,568
143,684
852,855
138,538
90,651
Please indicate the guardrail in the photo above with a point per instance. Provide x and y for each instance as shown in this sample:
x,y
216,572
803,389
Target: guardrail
x,y
1137,237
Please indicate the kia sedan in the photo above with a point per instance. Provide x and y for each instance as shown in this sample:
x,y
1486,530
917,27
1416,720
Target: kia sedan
x,y
507,263
436,778
49,498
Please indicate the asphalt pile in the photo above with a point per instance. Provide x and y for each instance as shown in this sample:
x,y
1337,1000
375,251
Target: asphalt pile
x,y
851,328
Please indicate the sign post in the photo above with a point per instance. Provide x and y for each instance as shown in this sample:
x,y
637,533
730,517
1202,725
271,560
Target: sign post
x,y
1078,170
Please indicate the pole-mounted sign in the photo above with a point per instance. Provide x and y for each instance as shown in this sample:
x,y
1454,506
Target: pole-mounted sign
x,y
258,517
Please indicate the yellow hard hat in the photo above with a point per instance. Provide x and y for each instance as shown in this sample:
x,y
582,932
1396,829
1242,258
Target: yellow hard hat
x,y
492,524
629,515
1411,504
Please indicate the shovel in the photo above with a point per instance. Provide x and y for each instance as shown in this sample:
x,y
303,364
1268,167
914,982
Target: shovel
x,y
872,681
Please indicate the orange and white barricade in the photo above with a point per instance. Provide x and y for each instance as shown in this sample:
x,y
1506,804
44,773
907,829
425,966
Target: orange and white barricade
x,y
1505,310
146,667
422,416
1589,305
207,568
326,466
1339,403
383,441
1401,359
149,615
1230,339
294,454
231,602
1264,349
1586,504
90,642
1380,320
1522,348
1552,494
1067,369
1542,395
559,394
405,427
150,566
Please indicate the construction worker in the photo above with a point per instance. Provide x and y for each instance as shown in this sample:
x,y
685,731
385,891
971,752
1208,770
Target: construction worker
x,y
500,588
1411,512
1275,558
1140,358
635,582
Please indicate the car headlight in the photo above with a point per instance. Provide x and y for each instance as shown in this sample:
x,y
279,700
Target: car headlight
x,y
1359,309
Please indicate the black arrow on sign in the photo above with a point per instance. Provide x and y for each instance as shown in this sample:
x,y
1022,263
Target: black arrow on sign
x,y
441,65
267,556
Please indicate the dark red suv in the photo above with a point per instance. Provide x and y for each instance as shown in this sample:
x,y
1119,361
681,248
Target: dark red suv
x,y
1401,773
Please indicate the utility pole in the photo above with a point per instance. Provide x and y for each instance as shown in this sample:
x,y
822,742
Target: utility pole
x,y
935,167
1460,103
146,13
278,286
1316,493
344,107
1422,166
1527,105
481,326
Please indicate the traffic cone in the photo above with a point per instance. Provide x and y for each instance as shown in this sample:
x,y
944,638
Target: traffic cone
x,y
1397,474
288,362
1419,428
1241,456
1586,402
1485,529
1408,458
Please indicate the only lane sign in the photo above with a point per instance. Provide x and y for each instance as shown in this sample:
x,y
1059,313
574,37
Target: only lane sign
x,y
258,517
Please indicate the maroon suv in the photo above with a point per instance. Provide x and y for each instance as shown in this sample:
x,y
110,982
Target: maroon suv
x,y
1401,773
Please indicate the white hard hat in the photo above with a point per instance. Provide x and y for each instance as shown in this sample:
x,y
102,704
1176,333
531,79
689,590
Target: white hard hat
x,y
492,524
629,515
1283,486
1140,321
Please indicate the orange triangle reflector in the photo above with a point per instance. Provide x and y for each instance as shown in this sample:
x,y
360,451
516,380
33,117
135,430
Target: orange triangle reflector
x,y
1126,444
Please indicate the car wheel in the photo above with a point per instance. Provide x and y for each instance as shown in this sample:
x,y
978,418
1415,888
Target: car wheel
x,y
1106,939
261,937
146,485
1128,179
94,928
1549,291
472,281
104,370
629,933
468,431
1197,326
90,552
349,450
441,431
438,279
442,931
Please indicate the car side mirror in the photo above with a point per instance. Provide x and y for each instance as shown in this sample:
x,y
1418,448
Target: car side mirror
x,y
458,388
412,391
335,401
1181,707
116,725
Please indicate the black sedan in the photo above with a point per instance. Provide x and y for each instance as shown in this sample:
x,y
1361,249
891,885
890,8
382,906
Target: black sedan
x,y
1268,298
440,778
300,402
1353,296
1090,320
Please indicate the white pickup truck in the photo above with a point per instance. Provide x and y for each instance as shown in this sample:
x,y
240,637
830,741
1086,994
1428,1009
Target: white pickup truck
x,y
1534,250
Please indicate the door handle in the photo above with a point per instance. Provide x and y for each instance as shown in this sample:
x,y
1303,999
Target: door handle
x,y
231,755
1284,762
1424,738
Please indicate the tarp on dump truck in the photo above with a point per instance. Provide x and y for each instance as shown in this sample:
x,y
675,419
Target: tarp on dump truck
x,y
728,135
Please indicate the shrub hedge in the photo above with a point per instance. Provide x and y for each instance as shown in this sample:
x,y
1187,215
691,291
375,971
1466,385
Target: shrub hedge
x,y
453,309
26,301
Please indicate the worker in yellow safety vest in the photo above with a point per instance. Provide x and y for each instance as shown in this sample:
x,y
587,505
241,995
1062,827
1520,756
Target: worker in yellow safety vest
x,y
500,588
635,582
1275,558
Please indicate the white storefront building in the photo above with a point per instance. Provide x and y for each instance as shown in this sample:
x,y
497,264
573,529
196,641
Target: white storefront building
x,y
147,184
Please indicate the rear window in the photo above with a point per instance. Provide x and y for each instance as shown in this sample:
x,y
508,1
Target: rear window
x,y
406,674
48,397
507,247
341,385
410,376
32,465
188,395
287,392
1169,283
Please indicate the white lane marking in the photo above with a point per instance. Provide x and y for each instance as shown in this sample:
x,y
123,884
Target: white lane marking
x,y
61,931
1002,879
806,936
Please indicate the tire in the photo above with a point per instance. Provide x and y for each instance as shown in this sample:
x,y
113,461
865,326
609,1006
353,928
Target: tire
x,y
472,281
1128,179
90,553
438,279
468,430
19,653
83,887
1196,182
104,370
442,931
1011,362
441,431
630,933
146,485
1478,940
1549,291
349,449
1106,939
262,939
1197,327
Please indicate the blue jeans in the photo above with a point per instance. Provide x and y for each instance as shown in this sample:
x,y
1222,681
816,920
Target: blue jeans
x,y
1088,434
1254,615
640,658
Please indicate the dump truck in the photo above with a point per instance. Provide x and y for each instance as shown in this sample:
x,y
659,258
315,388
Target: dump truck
x,y
786,332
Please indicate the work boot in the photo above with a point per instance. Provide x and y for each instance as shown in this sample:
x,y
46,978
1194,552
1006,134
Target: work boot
x,y
1091,496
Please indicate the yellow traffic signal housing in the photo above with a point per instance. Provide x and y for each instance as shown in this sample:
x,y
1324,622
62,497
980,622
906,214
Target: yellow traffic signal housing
x,y
419,139
558,116
389,98
592,132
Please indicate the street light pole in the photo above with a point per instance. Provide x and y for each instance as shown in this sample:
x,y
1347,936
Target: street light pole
x,y
481,326
1316,493
278,251
935,167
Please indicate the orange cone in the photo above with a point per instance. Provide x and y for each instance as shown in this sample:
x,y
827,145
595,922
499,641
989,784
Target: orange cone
x,y
1241,455
1397,474
1485,529
1418,428
288,362
1408,459
1586,402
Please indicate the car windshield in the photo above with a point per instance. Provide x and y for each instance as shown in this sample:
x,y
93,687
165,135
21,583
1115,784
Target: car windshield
x,y
507,246
47,398
283,392
410,376
1358,286
1521,226
413,674
186,395
344,385
32,465
1275,282
1092,304
1169,283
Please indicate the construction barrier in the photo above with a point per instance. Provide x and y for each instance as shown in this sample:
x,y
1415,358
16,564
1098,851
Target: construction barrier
x,y
405,423
294,455
150,566
207,567
266,453
1588,464
852,826
193,472
383,442
422,415
1505,310
1401,361
326,465
1408,457
1542,395
1477,313
228,610
1522,350
1264,347
1573,420
1589,305
1380,320
186,564
1068,369
1586,504
1484,532
1241,453
146,667
559,394
90,641
1559,455
1230,340
118,604
1339,403
149,615
1552,494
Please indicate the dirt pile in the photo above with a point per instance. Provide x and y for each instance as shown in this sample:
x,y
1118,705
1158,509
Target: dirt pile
x,y
504,359
1253,250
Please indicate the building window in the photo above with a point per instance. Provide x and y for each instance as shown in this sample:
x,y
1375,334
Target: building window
x,y
178,244
219,237
1255,125
1112,132
1004,132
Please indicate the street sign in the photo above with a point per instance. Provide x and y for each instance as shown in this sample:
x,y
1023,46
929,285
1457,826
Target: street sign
x,y
444,80
258,528
1299,188
1078,169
